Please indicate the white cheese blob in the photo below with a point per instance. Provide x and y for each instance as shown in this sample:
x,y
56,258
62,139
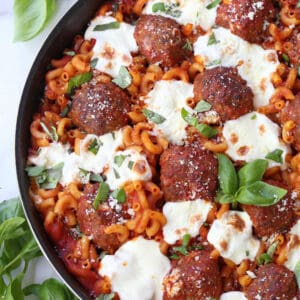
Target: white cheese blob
x,y
235,295
167,98
189,11
113,46
56,153
126,166
293,255
253,136
185,217
136,270
232,236
254,64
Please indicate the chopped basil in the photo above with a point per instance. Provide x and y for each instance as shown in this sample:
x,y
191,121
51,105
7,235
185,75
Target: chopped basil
x,y
35,171
117,175
120,195
212,40
188,45
51,133
174,256
102,194
214,63
84,175
202,106
183,248
107,26
113,135
172,10
253,117
185,240
297,273
153,116
105,296
78,80
124,79
130,164
247,252
70,53
271,250
96,178
66,110
204,129
119,159
94,146
196,247
267,257
275,155
285,58
94,62
89,176
159,6
213,4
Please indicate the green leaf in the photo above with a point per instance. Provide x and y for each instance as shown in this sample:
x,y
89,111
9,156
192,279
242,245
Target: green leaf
x,y
35,171
120,195
94,146
66,110
224,198
10,208
124,79
181,249
252,171
212,40
130,164
260,193
264,259
275,155
94,62
96,178
102,194
8,227
14,289
186,239
119,159
285,58
153,116
159,6
202,106
172,10
53,176
106,296
213,4
297,273
51,133
271,250
107,26
228,179
188,46
78,80
30,17
214,63
70,53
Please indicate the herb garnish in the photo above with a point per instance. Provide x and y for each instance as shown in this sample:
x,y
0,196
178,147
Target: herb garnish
x,y
169,9
130,164
153,116
102,194
183,248
188,45
107,26
70,53
119,159
78,80
94,146
51,133
267,257
214,63
202,106
94,62
124,79
275,155
213,4
212,40
285,58
66,110
117,175
105,296
297,273
120,195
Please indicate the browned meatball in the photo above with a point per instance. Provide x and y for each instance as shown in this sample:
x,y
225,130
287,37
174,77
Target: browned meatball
x,y
292,47
275,218
248,19
188,172
226,91
160,40
93,222
291,111
100,108
272,282
195,276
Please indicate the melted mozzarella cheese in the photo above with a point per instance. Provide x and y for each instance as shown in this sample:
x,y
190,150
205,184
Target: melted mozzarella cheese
x,y
113,46
293,255
253,136
190,11
184,217
254,64
232,236
56,153
136,270
233,296
134,166
167,98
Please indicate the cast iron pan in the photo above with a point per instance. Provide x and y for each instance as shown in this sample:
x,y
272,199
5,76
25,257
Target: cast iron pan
x,y
74,22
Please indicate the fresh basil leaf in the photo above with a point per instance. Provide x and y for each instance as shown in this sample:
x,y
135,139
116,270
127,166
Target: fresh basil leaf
x,y
96,178
9,209
78,80
285,58
271,250
94,146
202,106
94,62
30,17
214,63
53,176
106,296
252,171
117,175
159,6
153,116
260,193
107,26
119,159
228,179
124,79
130,164
213,4
120,195
102,194
253,117
35,171
14,289
297,273
212,40
8,227
188,46
174,256
224,198
275,155
51,133
186,239
66,110
264,259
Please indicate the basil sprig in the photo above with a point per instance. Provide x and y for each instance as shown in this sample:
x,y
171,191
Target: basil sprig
x,y
78,80
275,155
102,194
245,186
124,79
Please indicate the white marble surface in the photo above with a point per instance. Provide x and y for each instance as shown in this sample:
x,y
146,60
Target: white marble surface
x,y
16,62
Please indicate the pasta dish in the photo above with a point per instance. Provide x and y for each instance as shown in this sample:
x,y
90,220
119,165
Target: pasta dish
x,y
164,156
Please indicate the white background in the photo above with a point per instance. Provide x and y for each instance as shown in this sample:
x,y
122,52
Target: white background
x,y
15,63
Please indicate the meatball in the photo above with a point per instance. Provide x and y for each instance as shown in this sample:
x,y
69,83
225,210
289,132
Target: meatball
x,y
226,91
291,111
272,282
291,47
247,18
195,276
160,40
93,222
100,108
275,218
188,172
